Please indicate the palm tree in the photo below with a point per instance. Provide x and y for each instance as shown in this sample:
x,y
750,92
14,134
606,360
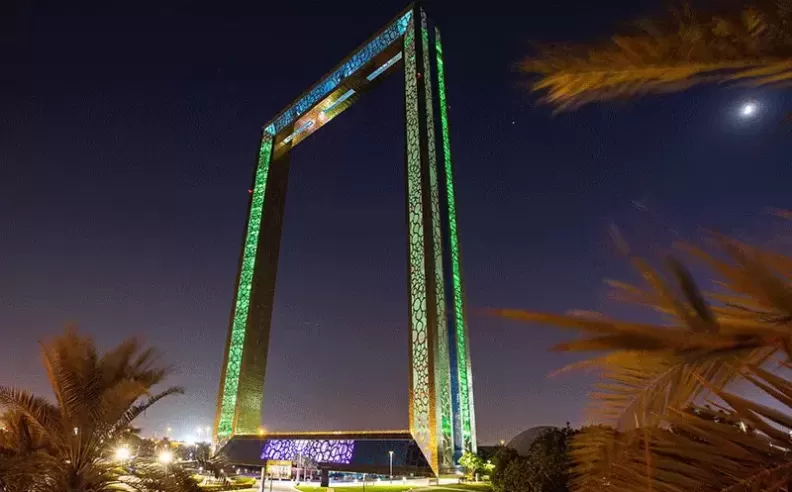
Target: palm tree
x,y
63,446
652,373
740,42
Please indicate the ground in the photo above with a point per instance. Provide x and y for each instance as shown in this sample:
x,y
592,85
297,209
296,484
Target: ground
x,y
372,488
478,487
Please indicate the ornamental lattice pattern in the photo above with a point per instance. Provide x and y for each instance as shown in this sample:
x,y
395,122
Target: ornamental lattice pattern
x,y
442,375
242,305
419,358
463,373
390,35
338,451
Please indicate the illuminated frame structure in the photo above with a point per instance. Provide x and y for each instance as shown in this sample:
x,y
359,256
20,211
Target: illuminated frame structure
x,y
441,413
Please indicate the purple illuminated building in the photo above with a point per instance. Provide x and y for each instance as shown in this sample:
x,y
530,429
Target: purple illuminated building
x,y
336,451
378,452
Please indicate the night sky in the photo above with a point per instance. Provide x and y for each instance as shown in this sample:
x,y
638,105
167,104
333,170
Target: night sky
x,y
128,134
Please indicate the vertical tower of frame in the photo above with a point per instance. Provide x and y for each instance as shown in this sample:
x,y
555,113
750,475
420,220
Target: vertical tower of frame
x,y
241,390
461,373
430,386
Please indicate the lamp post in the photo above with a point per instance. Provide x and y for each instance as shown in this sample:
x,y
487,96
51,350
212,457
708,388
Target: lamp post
x,y
263,487
390,455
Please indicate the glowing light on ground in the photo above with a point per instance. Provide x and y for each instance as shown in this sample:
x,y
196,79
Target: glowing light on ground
x,y
122,454
165,457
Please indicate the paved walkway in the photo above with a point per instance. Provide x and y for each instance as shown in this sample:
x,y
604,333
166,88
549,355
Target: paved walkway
x,y
276,487
289,487
439,487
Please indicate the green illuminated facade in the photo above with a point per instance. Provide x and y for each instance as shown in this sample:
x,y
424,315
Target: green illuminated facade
x,y
464,416
441,412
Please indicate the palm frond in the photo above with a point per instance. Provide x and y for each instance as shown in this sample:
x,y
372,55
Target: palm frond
x,y
70,361
653,366
750,44
135,411
650,372
39,411
693,453
48,448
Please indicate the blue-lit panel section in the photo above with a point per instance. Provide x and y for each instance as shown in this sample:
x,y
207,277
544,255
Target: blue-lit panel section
x,y
376,73
391,34
303,127
341,99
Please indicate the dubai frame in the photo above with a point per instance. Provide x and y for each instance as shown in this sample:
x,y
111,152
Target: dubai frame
x,y
441,413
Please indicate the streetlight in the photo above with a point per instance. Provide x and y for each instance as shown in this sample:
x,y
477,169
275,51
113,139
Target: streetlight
x,y
122,454
390,454
165,457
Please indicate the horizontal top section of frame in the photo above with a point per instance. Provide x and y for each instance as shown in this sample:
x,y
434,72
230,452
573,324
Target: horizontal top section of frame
x,y
365,54
331,435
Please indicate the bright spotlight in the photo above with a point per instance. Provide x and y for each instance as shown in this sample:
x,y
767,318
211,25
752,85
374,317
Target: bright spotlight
x,y
749,109
122,454
165,457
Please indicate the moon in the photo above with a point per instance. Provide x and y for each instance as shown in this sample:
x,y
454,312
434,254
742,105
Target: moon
x,y
749,109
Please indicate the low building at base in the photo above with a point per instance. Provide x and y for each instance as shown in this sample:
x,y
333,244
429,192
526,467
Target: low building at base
x,y
374,452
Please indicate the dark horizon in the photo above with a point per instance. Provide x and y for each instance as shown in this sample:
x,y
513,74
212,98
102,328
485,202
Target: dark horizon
x,y
130,135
